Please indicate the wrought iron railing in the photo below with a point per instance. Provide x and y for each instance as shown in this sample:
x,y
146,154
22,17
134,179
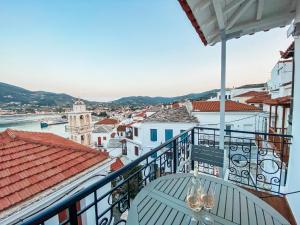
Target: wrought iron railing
x,y
107,200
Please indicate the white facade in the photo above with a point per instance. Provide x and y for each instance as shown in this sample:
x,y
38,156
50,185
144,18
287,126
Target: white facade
x,y
246,121
142,141
101,135
281,77
80,124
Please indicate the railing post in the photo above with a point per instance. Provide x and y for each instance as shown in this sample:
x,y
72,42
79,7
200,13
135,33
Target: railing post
x,y
73,214
175,155
193,143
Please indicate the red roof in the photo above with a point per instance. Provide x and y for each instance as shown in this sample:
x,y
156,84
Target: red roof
x,y
121,128
289,52
286,100
175,105
141,114
252,93
107,121
214,106
118,164
258,99
31,162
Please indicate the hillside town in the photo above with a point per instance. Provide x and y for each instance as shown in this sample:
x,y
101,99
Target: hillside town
x,y
97,147
228,155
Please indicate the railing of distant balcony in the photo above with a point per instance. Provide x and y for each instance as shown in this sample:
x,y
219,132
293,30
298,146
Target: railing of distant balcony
x,y
247,155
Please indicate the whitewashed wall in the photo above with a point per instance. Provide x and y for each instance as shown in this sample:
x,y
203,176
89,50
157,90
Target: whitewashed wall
x,y
143,140
246,121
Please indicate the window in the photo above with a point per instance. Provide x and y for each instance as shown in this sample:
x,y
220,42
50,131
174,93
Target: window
x,y
124,151
136,131
228,127
104,138
136,150
168,134
183,137
153,134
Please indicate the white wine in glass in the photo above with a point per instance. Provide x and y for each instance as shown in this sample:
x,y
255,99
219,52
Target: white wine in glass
x,y
208,200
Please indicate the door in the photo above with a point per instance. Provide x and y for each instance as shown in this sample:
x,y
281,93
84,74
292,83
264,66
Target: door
x,y
99,141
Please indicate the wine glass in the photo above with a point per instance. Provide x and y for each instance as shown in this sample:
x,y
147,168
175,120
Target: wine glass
x,y
193,199
208,200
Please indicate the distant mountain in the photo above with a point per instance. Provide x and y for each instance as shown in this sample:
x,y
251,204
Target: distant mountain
x,y
146,100
10,93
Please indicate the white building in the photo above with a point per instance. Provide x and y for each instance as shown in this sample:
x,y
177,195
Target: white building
x,y
239,116
280,84
103,130
80,124
157,129
53,169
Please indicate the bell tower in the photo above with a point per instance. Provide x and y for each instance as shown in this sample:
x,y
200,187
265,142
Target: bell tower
x,y
80,124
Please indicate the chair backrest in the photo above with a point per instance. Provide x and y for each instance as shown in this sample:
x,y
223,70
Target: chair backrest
x,y
207,154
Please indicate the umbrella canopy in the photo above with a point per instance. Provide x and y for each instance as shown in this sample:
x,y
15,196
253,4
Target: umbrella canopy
x,y
237,17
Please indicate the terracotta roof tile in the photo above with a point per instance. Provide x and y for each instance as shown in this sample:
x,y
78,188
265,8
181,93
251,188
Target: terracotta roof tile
x,y
107,121
214,106
118,164
252,94
33,162
258,99
286,100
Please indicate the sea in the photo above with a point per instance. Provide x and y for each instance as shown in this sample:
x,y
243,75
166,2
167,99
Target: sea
x,y
32,123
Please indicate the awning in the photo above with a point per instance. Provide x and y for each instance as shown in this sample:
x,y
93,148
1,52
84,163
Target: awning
x,y
236,17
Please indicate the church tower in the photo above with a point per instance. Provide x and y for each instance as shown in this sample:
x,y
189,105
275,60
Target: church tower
x,y
80,124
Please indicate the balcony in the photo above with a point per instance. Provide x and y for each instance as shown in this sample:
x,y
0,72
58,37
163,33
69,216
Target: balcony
x,y
252,161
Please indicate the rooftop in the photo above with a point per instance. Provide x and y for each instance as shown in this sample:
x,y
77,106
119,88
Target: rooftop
x,y
214,106
118,164
102,129
252,94
107,121
286,100
171,115
259,99
32,162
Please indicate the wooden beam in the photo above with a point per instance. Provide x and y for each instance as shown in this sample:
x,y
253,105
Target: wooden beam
x,y
201,5
238,13
276,117
264,24
260,8
270,117
283,120
228,8
219,13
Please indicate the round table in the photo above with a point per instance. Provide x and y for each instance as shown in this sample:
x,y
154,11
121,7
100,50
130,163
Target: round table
x,y
162,201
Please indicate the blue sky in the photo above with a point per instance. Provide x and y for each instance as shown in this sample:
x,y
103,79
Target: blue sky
x,y
103,50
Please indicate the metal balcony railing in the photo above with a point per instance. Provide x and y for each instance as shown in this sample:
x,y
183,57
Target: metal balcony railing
x,y
251,159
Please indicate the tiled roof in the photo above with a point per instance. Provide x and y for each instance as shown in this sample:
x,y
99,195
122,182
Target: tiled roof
x,y
118,164
172,115
121,128
286,100
214,106
258,99
107,121
289,52
31,162
252,94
